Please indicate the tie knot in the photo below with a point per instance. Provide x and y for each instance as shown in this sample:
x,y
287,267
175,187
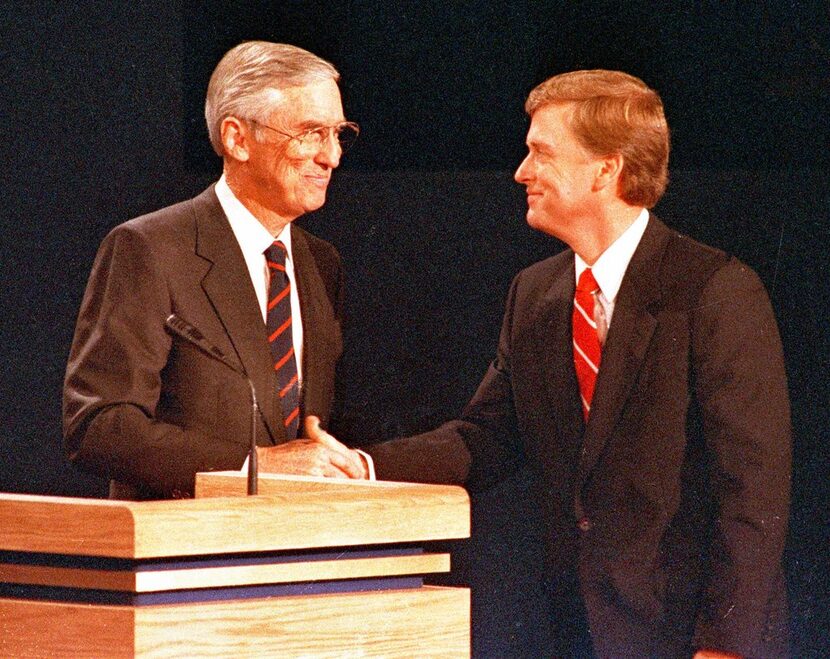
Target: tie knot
x,y
587,283
275,255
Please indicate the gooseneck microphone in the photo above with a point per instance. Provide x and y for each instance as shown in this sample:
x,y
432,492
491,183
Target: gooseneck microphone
x,y
192,335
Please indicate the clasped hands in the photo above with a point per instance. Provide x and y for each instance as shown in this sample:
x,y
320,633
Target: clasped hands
x,y
316,454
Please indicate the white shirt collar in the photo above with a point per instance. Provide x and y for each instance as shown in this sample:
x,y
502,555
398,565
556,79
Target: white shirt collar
x,y
252,236
610,267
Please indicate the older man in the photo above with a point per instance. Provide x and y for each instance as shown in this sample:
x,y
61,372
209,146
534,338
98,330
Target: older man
x,y
643,373
147,408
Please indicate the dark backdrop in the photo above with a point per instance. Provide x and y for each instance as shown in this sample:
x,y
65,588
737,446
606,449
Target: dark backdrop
x,y
101,111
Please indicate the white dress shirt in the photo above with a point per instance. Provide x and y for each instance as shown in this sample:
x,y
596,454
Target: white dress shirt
x,y
254,239
610,268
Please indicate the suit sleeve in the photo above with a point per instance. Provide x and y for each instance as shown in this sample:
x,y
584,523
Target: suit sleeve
x,y
479,448
114,380
740,385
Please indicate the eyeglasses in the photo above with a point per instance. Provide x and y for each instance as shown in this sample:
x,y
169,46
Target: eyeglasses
x,y
312,140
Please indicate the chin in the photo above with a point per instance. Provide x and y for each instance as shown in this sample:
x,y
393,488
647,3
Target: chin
x,y
311,207
534,221
314,201
538,223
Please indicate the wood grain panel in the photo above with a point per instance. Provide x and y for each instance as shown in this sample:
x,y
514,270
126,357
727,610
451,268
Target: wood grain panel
x,y
424,622
56,630
294,514
320,517
427,622
90,527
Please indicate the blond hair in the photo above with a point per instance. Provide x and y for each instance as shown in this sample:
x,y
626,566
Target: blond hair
x,y
615,113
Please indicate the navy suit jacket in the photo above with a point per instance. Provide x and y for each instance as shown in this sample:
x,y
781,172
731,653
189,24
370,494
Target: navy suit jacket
x,y
669,508
147,409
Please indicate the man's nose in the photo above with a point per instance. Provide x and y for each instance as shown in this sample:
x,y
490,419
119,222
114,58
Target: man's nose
x,y
330,151
522,174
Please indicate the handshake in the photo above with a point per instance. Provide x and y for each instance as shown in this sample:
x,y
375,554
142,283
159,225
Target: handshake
x,y
316,454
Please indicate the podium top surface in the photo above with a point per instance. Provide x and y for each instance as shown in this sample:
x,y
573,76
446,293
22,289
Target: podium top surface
x,y
295,514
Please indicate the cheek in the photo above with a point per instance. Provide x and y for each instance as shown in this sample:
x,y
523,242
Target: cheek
x,y
567,187
552,185
277,172
287,177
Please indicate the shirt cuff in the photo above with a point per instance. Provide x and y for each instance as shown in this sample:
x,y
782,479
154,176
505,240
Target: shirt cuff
x,y
370,464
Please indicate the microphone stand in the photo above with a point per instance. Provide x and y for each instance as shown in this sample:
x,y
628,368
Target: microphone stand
x,y
192,335
253,466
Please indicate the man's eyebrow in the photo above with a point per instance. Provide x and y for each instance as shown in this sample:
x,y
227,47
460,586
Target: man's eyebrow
x,y
311,124
540,146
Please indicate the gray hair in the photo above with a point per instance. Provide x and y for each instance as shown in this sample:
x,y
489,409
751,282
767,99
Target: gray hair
x,y
243,81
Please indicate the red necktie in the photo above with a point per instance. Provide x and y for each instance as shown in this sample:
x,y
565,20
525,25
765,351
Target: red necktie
x,y
587,351
280,337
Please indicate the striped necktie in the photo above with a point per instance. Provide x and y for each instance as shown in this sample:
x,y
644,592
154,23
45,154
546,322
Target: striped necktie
x,y
278,325
587,350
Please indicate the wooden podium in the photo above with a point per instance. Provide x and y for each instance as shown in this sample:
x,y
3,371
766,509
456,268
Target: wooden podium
x,y
308,568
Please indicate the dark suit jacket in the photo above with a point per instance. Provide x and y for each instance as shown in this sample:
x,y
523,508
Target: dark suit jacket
x,y
149,410
670,508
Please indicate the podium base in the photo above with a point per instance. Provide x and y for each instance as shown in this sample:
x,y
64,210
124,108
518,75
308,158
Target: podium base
x,y
423,622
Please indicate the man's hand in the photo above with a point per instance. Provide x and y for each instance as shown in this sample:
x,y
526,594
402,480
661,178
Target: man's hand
x,y
320,454
315,432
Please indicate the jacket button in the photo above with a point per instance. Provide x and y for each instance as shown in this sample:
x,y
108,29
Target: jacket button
x,y
584,525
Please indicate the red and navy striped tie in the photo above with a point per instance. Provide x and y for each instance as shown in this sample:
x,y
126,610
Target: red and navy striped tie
x,y
278,325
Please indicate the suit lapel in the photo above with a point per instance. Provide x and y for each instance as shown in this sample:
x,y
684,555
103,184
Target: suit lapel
x,y
630,333
555,332
227,284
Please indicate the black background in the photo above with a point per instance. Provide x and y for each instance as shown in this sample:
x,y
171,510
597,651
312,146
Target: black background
x,y
102,120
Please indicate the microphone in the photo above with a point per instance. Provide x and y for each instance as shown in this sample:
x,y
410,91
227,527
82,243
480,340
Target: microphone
x,y
189,333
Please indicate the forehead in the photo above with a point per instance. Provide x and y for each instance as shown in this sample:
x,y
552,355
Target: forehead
x,y
307,105
550,125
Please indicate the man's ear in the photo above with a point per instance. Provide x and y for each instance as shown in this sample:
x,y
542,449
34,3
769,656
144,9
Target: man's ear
x,y
609,172
236,138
